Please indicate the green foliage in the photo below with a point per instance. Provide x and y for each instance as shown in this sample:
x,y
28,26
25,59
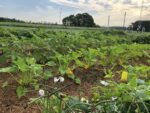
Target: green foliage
x,y
142,39
114,32
21,91
125,98
38,55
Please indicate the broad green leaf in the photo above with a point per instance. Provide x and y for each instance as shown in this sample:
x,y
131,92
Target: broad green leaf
x,y
50,63
62,70
133,82
36,69
30,61
21,64
78,81
21,91
48,74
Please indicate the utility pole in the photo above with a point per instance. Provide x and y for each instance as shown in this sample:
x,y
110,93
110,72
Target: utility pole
x,y
108,22
124,21
141,11
60,13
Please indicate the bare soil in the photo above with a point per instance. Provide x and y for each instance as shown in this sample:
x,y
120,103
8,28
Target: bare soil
x,y
10,103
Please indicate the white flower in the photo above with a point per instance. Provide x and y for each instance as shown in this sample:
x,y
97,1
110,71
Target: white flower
x,y
41,92
113,98
59,79
62,79
104,83
84,100
56,79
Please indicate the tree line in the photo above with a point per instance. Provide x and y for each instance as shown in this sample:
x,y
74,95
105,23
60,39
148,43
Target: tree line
x,y
3,19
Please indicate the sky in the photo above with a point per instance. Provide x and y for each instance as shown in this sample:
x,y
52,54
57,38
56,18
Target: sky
x,y
49,10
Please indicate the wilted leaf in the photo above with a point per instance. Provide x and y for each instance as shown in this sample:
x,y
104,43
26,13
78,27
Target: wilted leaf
x,y
8,69
5,84
124,76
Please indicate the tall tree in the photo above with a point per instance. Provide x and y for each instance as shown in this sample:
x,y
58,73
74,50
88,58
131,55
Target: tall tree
x,y
81,20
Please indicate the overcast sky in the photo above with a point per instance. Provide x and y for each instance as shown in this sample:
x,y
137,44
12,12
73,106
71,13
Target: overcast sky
x,y
49,10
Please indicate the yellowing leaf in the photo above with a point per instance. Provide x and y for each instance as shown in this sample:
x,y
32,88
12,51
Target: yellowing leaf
x,y
124,76
86,66
69,71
